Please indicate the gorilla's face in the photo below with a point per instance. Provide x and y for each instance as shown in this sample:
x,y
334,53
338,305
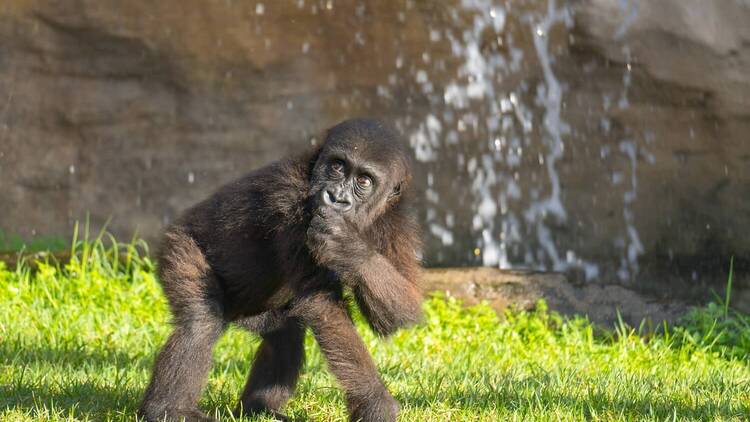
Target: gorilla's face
x,y
359,173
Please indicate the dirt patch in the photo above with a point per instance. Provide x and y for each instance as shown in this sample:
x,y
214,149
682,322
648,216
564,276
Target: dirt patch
x,y
522,289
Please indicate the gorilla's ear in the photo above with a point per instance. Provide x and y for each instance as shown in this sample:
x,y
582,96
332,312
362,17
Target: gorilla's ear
x,y
396,192
400,188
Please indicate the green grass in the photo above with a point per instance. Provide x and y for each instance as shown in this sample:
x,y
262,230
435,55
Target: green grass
x,y
12,243
77,342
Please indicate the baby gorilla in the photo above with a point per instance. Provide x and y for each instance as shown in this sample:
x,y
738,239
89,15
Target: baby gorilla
x,y
273,252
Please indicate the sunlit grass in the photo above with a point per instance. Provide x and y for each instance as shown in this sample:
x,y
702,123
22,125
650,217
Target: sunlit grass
x,y
77,342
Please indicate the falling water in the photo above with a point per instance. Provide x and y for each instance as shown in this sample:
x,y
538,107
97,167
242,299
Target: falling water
x,y
513,226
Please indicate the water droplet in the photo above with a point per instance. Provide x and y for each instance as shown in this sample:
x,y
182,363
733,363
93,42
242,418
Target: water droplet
x,y
359,38
191,177
72,169
259,9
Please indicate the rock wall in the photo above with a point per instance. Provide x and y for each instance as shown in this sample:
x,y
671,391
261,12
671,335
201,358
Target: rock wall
x,y
688,101
131,111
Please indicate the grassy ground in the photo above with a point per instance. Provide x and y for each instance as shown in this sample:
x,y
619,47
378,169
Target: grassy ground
x,y
77,343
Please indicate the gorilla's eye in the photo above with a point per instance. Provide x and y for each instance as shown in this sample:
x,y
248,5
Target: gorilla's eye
x,y
364,181
337,166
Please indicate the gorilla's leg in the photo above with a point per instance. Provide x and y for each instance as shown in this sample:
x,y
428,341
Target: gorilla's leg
x,y
180,372
367,398
181,369
275,371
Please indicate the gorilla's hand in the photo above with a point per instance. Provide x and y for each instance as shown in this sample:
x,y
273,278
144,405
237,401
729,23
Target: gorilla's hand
x,y
335,243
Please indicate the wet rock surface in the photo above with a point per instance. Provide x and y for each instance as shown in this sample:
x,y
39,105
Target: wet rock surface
x,y
132,111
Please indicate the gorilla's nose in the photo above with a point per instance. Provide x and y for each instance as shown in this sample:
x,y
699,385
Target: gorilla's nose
x,y
338,200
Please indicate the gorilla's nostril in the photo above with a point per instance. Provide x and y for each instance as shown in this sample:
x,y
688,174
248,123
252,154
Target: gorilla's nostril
x,y
337,201
331,197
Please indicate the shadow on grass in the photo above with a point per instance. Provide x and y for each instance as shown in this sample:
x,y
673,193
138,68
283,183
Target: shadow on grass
x,y
50,355
89,400
529,395
81,399
80,395
117,396
32,391
95,401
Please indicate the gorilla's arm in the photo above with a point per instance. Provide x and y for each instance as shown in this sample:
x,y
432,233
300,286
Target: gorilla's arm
x,y
383,276
347,356
387,299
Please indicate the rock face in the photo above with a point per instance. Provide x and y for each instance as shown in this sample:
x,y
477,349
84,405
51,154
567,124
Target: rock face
x,y
609,136
134,111
689,97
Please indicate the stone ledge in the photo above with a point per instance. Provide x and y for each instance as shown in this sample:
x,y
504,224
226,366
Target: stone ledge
x,y
522,289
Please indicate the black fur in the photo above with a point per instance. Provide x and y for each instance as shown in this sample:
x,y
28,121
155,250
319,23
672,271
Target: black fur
x,y
273,252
